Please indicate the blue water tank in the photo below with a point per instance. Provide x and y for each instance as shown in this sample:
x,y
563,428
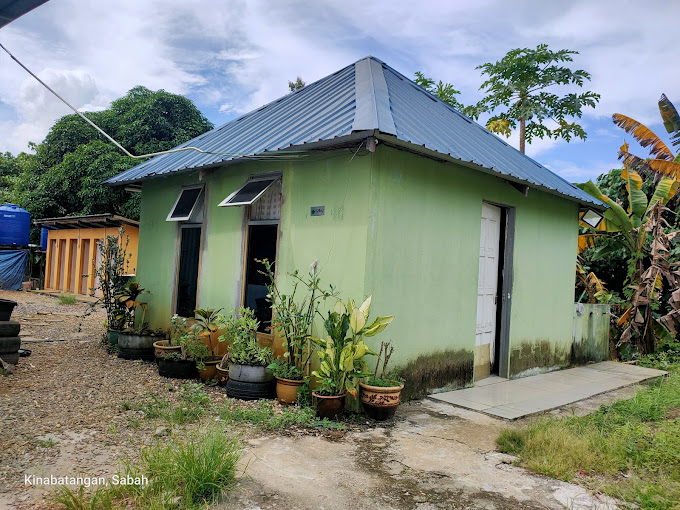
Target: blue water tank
x,y
15,225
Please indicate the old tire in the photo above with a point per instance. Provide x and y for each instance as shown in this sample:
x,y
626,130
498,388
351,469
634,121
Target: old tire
x,y
9,344
12,358
177,369
250,391
9,328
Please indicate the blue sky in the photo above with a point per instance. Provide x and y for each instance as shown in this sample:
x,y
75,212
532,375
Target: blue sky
x,y
231,56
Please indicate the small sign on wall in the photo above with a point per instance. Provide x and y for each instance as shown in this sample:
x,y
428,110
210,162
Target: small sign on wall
x,y
319,210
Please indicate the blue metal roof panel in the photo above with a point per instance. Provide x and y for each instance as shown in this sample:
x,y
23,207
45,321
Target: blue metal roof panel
x,y
321,111
424,120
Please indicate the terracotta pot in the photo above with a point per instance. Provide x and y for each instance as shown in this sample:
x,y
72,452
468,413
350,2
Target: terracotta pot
x,y
286,390
329,407
163,347
210,370
222,375
380,403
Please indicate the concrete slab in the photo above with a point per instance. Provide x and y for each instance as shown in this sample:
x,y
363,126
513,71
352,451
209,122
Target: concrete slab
x,y
511,399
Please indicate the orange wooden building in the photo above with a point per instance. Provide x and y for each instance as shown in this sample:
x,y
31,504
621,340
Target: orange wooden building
x,y
72,251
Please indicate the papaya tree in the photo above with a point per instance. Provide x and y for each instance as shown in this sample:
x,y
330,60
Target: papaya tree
x,y
639,231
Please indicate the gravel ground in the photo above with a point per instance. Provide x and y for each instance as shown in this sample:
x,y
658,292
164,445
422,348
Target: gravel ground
x,y
61,411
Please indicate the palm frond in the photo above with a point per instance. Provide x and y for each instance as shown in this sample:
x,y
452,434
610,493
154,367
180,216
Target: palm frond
x,y
644,136
659,166
671,119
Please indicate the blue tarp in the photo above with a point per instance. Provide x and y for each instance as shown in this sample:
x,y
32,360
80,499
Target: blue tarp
x,y
12,268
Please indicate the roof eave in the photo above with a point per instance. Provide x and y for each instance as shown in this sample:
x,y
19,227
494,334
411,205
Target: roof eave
x,y
420,149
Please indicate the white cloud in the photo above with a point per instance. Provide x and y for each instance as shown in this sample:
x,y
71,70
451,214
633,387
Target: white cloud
x,y
233,56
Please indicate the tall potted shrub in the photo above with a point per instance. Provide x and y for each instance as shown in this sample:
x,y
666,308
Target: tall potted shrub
x,y
293,316
111,281
199,344
136,340
341,355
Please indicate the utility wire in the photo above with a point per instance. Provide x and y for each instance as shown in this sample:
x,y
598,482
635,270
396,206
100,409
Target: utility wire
x,y
180,149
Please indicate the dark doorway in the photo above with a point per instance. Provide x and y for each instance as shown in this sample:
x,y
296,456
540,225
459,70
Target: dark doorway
x,y
261,245
187,279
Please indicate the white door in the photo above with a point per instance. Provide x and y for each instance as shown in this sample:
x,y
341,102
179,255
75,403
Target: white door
x,y
487,290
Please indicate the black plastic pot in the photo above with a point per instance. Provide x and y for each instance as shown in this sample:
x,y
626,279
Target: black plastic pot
x,y
177,368
6,307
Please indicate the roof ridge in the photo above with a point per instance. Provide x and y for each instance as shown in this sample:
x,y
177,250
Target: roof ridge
x,y
372,98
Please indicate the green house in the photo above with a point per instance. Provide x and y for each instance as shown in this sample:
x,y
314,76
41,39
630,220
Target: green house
x,y
471,244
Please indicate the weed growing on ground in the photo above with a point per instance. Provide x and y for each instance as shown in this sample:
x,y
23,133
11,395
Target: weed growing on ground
x,y
629,450
266,415
187,471
65,299
48,443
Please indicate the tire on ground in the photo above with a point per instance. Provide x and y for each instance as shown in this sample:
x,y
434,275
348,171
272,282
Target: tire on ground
x,y
12,358
132,354
9,344
250,391
9,328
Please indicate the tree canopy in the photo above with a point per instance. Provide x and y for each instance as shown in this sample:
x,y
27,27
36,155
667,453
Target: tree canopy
x,y
518,83
64,176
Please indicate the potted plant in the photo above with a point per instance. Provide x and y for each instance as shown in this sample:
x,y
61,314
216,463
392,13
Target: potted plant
x,y
198,344
249,377
341,356
172,345
111,281
292,319
223,370
171,359
381,392
136,340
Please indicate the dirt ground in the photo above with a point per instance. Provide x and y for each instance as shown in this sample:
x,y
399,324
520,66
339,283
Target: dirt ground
x,y
61,413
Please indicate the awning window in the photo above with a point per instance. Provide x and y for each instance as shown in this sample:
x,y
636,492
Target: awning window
x,y
250,191
186,205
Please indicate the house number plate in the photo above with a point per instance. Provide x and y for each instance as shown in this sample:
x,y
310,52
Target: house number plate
x,y
319,210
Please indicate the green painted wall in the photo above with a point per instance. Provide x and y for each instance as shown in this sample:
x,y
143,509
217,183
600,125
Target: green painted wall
x,y
399,226
337,239
425,230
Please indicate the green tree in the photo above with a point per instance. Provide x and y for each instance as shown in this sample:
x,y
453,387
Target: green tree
x,y
519,81
296,85
64,176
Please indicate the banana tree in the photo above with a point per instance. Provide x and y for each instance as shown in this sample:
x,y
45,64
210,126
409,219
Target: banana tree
x,y
622,226
639,231
341,354
662,161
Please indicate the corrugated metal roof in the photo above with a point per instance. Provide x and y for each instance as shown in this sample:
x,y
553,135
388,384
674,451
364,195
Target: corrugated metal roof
x,y
367,96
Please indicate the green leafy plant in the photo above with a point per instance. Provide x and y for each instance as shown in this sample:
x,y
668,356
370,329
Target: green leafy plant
x,y
283,370
129,305
240,330
294,315
195,338
341,354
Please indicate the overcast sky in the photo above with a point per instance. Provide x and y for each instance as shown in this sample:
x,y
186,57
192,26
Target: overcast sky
x,y
231,56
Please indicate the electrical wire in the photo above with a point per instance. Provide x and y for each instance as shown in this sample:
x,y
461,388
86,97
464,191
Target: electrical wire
x,y
152,154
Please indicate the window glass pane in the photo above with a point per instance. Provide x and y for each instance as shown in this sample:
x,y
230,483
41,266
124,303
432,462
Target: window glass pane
x,y
186,203
268,206
249,191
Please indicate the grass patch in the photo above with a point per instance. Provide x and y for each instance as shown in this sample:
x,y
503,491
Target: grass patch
x,y
65,299
48,443
183,472
629,450
266,415
192,405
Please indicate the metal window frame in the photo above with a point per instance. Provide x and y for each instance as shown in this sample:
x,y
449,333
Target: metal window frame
x,y
272,177
193,207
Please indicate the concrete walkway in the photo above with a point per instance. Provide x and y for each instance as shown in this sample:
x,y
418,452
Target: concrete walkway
x,y
517,398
